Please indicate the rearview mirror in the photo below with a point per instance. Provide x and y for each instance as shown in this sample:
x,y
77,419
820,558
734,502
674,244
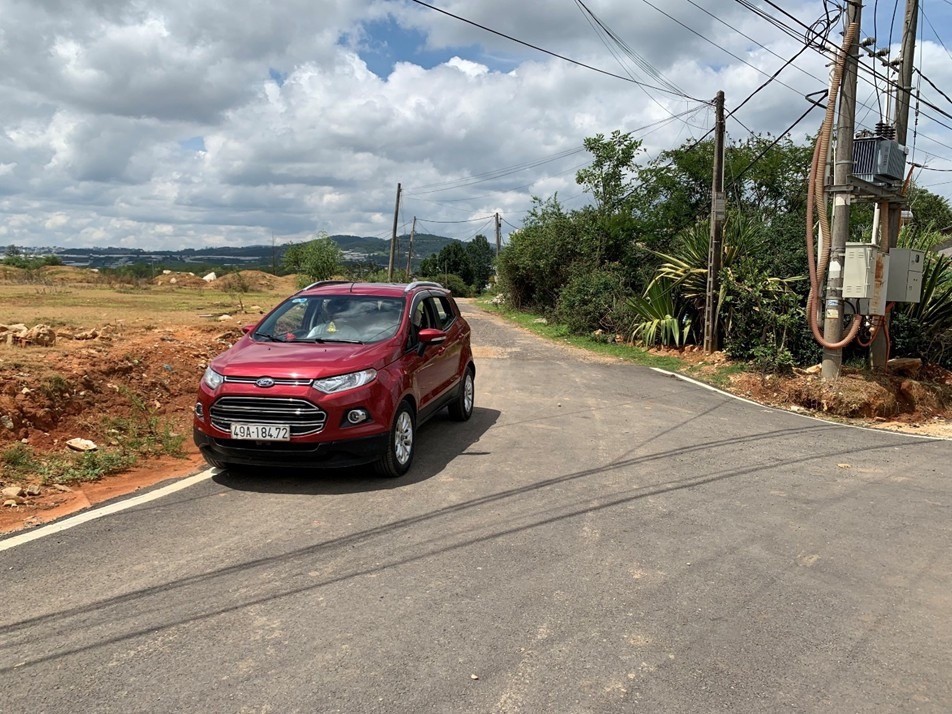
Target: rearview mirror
x,y
430,336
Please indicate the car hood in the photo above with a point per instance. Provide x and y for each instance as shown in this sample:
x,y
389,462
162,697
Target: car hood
x,y
301,359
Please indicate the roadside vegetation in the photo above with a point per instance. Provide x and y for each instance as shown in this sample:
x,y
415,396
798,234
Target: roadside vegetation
x,y
634,264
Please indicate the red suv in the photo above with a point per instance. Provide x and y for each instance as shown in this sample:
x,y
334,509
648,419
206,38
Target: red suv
x,y
338,374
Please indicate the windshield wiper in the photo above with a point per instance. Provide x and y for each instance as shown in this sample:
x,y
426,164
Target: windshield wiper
x,y
322,340
267,337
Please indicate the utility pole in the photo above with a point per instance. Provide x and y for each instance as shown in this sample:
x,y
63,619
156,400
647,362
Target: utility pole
x,y
498,235
393,237
410,249
274,270
879,350
718,215
840,230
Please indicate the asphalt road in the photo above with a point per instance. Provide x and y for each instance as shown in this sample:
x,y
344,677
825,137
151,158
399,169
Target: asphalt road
x,y
598,538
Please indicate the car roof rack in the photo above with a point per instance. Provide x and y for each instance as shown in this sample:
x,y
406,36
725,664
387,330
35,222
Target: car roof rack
x,y
422,284
319,283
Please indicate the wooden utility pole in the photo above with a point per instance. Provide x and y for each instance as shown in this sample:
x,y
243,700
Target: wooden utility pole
x,y
393,237
715,247
840,230
879,350
498,234
410,249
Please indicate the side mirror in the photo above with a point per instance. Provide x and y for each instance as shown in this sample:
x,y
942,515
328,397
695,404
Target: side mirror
x,y
430,336
245,329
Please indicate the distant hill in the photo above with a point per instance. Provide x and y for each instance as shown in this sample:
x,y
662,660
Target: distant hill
x,y
356,249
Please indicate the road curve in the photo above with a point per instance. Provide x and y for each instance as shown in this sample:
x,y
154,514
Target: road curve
x,y
597,538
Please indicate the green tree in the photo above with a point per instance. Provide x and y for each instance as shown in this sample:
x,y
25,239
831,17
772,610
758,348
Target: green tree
x,y
318,259
482,257
608,177
453,259
539,259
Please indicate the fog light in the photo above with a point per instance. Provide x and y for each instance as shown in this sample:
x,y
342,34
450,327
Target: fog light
x,y
357,416
199,412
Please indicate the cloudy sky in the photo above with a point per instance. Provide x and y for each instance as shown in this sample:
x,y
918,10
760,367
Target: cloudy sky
x,y
197,123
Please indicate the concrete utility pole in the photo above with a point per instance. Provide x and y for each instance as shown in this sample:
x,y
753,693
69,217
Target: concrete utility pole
x,y
393,237
498,234
410,249
715,247
840,230
879,350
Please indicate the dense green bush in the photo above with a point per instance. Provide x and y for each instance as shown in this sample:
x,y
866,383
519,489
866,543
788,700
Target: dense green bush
x,y
589,300
538,261
910,336
454,283
765,321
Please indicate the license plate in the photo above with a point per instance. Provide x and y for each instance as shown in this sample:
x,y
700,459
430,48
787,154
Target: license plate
x,y
261,432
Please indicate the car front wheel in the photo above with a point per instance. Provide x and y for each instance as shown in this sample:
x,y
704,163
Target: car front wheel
x,y
399,454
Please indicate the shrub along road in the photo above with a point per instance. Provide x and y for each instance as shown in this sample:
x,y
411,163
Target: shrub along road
x,y
598,537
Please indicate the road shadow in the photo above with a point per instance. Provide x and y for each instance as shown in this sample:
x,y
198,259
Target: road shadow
x,y
439,441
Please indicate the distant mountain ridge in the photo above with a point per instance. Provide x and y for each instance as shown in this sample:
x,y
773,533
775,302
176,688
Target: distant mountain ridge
x,y
356,249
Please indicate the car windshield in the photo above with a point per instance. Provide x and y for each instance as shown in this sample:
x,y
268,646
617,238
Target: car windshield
x,y
333,318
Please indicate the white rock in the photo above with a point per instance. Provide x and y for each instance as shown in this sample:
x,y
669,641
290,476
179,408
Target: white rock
x,y
81,445
12,492
225,318
210,277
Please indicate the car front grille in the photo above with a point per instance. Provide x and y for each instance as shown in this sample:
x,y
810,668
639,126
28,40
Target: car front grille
x,y
277,381
302,416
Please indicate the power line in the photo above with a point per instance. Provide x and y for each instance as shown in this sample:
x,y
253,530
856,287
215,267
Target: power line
x,y
710,41
771,145
649,69
517,168
549,52
471,220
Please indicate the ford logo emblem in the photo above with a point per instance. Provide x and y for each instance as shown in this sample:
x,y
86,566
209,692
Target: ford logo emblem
x,y
264,382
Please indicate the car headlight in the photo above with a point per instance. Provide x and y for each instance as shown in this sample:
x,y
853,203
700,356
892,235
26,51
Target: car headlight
x,y
212,379
332,385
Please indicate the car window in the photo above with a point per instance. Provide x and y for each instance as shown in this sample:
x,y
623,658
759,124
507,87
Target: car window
x,y
356,318
421,317
291,319
444,311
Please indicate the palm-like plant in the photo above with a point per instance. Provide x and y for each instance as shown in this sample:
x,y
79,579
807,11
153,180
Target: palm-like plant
x,y
658,319
686,268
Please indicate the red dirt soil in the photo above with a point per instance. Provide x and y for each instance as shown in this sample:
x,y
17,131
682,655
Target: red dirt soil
x,y
86,388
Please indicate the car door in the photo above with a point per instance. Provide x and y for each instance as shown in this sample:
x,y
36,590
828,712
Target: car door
x,y
446,356
421,366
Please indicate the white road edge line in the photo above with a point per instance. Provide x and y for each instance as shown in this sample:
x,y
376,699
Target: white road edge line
x,y
91,515
696,383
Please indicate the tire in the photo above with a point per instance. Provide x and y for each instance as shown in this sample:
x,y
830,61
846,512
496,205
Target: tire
x,y
398,457
461,408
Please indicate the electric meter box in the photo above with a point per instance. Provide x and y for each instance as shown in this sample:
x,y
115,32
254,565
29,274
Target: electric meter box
x,y
865,270
905,275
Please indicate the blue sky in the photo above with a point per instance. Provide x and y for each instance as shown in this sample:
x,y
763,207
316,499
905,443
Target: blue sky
x,y
183,124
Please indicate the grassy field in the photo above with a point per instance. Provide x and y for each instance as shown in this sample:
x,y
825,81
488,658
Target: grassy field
x,y
83,306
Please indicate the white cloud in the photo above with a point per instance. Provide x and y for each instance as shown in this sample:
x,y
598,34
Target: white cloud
x,y
190,124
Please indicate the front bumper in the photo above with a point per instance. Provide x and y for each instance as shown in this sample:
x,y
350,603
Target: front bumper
x,y
328,454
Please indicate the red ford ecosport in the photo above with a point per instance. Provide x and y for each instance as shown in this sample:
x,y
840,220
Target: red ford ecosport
x,y
338,374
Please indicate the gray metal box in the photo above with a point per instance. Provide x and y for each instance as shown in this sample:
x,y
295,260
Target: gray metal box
x,y
864,277
859,270
905,275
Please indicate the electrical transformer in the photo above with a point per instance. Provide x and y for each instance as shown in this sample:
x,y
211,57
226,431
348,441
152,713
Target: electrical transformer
x,y
878,160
